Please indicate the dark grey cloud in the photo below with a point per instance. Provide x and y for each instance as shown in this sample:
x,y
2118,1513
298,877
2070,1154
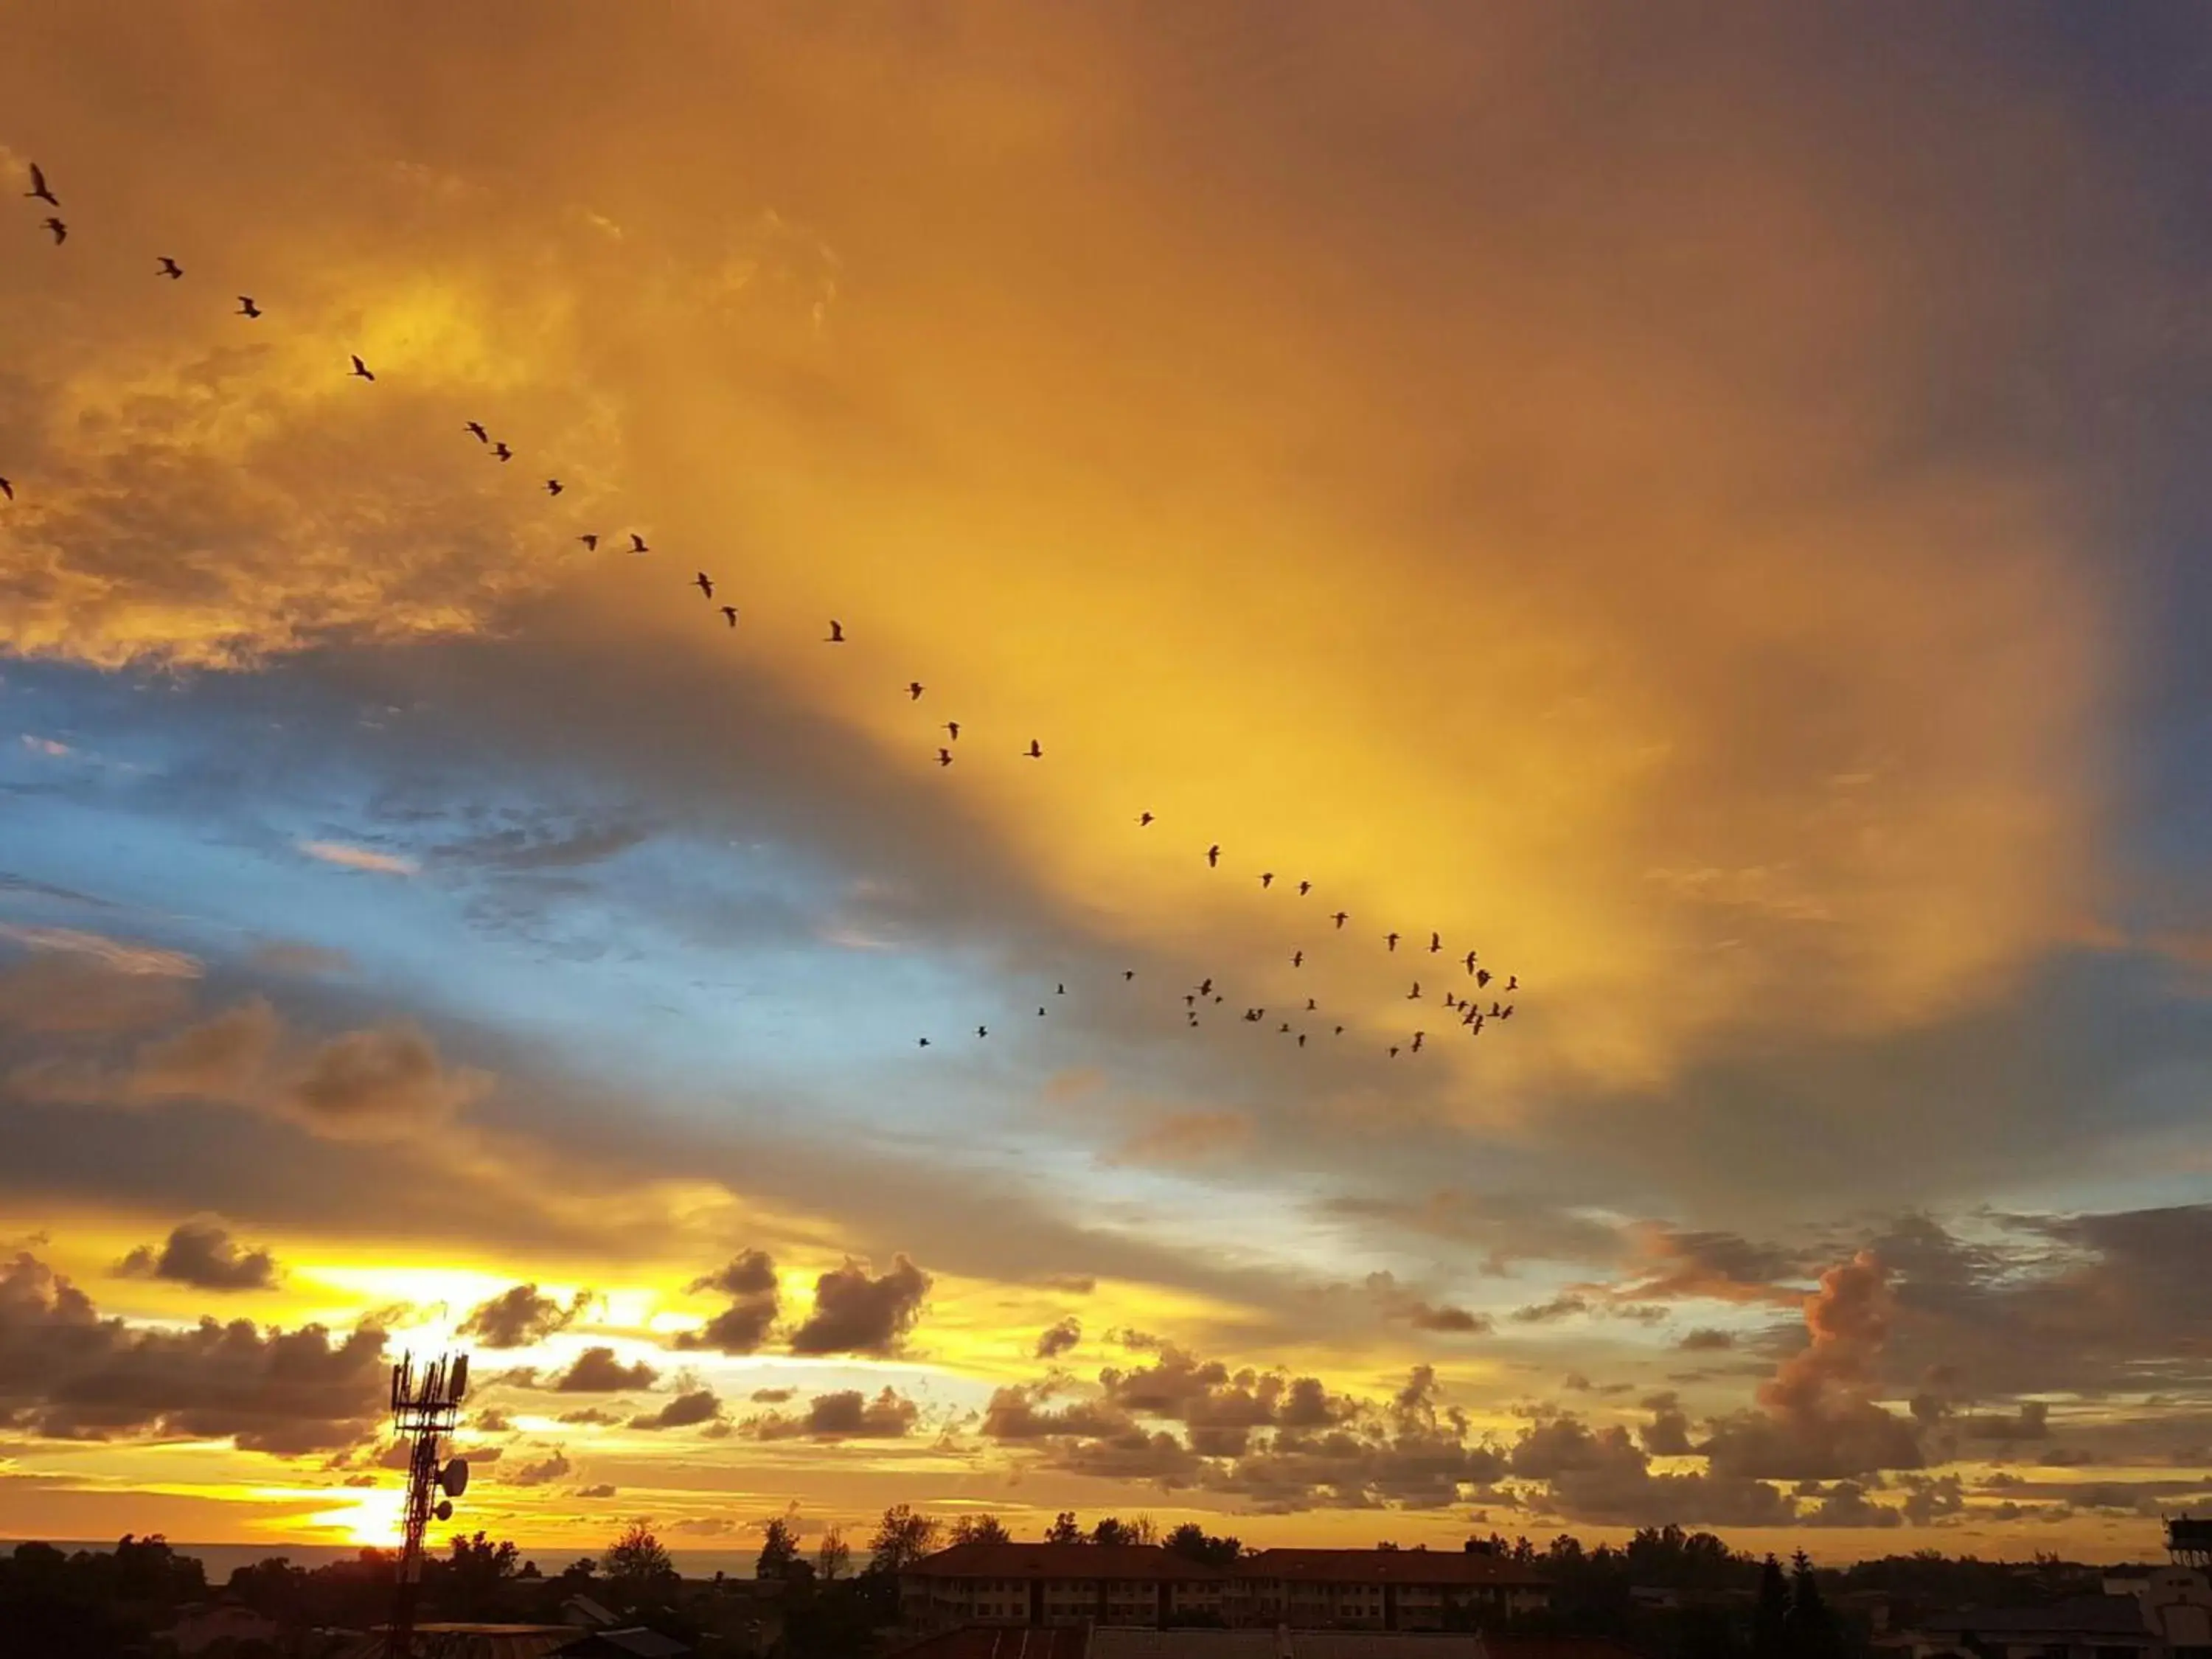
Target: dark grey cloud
x,y
596,1370
66,1373
749,1280
846,1414
202,1253
540,1472
855,1312
688,1409
521,1314
1059,1339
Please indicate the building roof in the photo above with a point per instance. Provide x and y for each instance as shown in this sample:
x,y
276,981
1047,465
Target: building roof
x,y
1557,1647
2100,1615
1386,1567
1385,1644
1000,1642
1121,1642
1139,1561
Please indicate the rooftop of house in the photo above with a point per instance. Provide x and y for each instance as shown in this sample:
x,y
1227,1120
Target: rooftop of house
x,y
1151,1561
2099,1615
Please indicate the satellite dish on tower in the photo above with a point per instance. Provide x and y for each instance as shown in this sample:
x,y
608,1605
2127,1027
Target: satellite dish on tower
x,y
454,1479
460,1378
445,1510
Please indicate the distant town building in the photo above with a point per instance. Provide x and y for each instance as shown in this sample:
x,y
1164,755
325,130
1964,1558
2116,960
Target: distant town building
x,y
2164,1614
1144,1585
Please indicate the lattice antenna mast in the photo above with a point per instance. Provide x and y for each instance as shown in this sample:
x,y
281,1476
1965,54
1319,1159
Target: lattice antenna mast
x,y
425,1406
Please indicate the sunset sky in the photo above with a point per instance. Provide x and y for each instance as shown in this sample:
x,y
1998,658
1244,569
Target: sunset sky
x,y
1707,505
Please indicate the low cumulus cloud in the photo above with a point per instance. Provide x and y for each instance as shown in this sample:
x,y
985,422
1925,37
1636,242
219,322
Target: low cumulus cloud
x,y
66,1373
846,1414
686,1410
541,1472
855,1312
1059,1339
520,1316
374,1083
202,1253
748,1281
1817,1416
596,1370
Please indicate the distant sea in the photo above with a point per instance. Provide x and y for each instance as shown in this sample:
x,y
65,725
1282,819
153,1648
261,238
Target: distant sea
x,y
221,1560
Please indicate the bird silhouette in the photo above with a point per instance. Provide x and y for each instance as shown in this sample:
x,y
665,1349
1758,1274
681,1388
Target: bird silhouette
x,y
1304,887
552,486
1062,991
1394,1051
1039,1010
1418,1036
1341,918
1213,856
982,1030
1482,977
1287,1029
476,430
1144,819
1206,988
59,229
1435,943
1267,879
246,307
944,757
1128,973
914,689
1297,958
836,633
170,269
361,370
1506,1012
1415,993
38,192
925,1042
704,583
591,543
1338,1032
952,730
501,451
1513,982
1494,1014
1470,962
1035,751
7,490
1391,940
1309,1005
730,612
1190,998
1302,1039
637,544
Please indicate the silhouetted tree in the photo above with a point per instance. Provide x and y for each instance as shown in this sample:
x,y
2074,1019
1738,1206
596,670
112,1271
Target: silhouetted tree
x,y
901,1537
638,1568
1064,1529
1194,1543
1810,1628
1770,1615
778,1550
980,1529
834,1558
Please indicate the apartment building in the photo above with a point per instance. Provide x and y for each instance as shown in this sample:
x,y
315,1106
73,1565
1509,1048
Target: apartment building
x,y
1142,1584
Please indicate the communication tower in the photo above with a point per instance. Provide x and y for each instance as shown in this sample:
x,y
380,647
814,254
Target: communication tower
x,y
425,1406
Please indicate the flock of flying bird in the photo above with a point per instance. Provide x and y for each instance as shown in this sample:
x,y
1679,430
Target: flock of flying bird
x,y
1467,1011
